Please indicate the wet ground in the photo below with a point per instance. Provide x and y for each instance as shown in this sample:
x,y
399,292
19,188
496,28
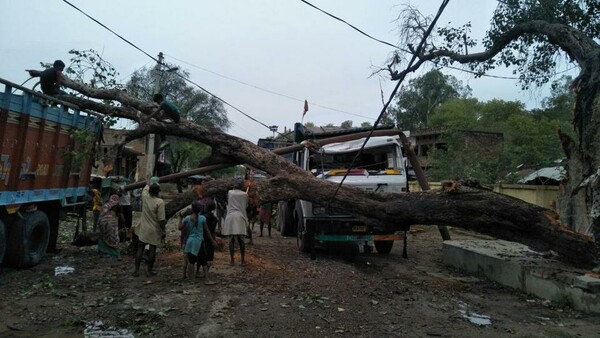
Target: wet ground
x,y
280,293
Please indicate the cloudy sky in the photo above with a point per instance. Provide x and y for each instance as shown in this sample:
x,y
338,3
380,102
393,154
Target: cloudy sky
x,y
264,57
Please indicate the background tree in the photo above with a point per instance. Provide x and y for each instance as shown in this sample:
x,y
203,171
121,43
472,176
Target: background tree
x,y
533,36
346,124
194,105
416,102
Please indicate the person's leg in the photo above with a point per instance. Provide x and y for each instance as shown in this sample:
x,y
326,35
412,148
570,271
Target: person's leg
x,y
242,249
249,232
231,247
151,259
185,265
190,266
262,224
128,214
96,217
138,258
269,227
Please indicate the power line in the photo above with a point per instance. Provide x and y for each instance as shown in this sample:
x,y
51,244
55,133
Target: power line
x,y
400,80
157,61
347,23
402,49
265,90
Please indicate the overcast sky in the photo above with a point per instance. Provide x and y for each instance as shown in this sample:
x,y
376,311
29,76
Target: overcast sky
x,y
264,57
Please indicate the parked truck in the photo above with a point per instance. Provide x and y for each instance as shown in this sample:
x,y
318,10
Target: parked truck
x,y
46,154
380,167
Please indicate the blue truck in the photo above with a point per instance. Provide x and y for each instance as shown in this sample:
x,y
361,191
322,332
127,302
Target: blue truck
x,y
46,157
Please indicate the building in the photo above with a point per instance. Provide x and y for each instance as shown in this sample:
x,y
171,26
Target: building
x,y
130,161
489,144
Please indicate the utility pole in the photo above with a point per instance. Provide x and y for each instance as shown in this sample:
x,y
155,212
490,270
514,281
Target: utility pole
x,y
151,139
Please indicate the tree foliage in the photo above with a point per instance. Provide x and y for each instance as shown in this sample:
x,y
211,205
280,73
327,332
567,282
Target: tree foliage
x,y
194,105
528,140
416,102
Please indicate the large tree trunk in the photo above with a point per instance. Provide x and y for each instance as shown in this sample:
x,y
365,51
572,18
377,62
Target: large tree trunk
x,y
478,210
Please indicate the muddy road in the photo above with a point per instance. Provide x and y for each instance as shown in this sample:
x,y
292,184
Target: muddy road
x,y
280,293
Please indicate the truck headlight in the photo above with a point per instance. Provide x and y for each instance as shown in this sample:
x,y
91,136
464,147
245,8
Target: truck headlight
x,y
319,210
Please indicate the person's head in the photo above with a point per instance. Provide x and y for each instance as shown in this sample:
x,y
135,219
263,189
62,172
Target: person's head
x,y
59,65
210,206
238,183
158,98
112,204
196,207
154,189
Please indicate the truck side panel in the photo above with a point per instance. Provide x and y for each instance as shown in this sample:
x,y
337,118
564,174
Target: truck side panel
x,y
33,141
42,170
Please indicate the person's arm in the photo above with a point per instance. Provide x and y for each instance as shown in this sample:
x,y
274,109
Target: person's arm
x,y
162,221
207,231
180,226
59,78
163,226
33,72
160,108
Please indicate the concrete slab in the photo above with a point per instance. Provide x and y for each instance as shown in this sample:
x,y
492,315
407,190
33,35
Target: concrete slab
x,y
517,266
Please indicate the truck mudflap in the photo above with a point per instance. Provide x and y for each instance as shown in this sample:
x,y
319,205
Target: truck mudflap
x,y
343,238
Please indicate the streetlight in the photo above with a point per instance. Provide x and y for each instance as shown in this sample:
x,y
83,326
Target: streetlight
x,y
273,129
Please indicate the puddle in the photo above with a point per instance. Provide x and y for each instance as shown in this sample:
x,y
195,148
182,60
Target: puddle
x,y
472,317
97,329
63,270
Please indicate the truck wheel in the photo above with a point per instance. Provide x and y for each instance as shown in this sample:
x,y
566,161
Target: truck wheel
x,y
384,247
307,242
2,241
299,230
287,219
28,240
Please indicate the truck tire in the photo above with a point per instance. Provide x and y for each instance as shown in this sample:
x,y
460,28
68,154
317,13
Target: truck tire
x,y
28,240
287,225
384,247
2,240
307,241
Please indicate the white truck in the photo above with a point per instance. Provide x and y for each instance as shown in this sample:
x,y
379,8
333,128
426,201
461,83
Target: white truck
x,y
380,167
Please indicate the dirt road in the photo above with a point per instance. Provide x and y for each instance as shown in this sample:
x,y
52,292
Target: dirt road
x,y
280,293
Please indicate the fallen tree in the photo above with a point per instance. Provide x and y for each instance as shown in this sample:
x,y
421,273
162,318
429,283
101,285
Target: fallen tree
x,y
460,206
552,28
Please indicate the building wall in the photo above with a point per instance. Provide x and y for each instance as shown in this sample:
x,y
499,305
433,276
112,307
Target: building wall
x,y
541,195
131,160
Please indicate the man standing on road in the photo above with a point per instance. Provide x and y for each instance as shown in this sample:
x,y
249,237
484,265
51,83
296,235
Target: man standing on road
x,y
151,229
236,221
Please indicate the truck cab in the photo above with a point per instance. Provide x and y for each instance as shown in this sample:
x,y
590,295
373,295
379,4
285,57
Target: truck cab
x,y
379,166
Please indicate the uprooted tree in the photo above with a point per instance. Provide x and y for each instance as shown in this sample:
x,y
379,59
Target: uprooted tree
x,y
526,34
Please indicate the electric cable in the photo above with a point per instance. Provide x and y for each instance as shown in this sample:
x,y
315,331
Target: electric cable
x,y
407,51
265,90
160,63
392,95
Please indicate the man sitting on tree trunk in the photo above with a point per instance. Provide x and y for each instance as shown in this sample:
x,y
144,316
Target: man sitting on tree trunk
x,y
50,78
171,112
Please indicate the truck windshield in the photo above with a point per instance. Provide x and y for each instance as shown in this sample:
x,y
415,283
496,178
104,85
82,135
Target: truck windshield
x,y
374,160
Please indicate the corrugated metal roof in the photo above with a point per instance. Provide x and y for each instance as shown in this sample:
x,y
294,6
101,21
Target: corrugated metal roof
x,y
557,173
